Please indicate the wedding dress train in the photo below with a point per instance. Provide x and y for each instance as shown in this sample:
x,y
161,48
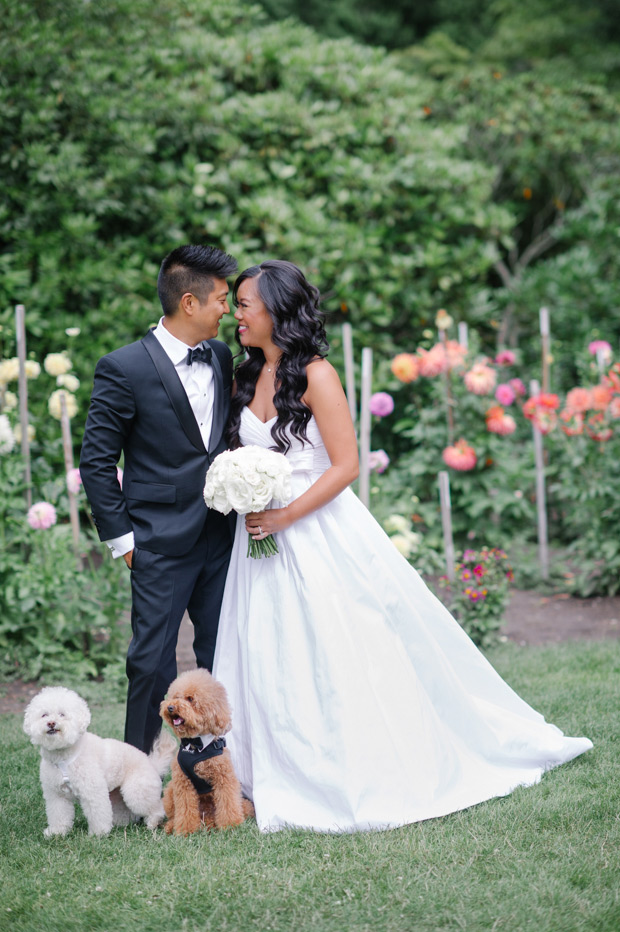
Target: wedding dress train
x,y
358,701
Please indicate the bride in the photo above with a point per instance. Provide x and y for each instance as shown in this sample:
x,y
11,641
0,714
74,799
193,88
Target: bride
x,y
358,701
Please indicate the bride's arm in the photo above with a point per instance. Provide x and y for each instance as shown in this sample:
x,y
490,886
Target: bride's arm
x,y
326,399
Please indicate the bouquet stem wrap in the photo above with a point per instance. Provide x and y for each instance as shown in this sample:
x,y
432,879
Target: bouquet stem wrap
x,y
247,480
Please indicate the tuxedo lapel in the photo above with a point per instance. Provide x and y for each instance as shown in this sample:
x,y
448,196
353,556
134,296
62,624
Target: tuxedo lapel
x,y
175,391
217,425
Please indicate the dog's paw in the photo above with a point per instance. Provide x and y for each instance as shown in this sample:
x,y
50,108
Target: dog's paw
x,y
51,832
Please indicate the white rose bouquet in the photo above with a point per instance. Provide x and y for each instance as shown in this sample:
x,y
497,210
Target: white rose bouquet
x,y
246,480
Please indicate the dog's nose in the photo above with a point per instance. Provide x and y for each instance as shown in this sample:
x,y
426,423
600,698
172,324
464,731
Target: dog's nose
x,y
51,724
171,709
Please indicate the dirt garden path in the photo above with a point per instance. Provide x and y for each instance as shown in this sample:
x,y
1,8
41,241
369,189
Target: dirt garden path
x,y
531,618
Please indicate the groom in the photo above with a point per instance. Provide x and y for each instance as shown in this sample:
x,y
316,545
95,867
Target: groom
x,y
163,403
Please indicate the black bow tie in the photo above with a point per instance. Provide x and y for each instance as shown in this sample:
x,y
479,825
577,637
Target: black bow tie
x,y
200,354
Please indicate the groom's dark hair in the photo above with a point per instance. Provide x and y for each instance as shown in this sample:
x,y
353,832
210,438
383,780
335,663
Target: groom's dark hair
x,y
191,268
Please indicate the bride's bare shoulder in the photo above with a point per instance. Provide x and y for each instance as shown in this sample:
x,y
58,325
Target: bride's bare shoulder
x,y
319,371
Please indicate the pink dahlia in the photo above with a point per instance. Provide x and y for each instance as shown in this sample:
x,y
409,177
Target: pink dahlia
x,y
74,481
602,347
579,399
378,461
518,386
504,424
480,379
381,404
405,367
460,456
505,358
505,393
432,362
614,407
41,516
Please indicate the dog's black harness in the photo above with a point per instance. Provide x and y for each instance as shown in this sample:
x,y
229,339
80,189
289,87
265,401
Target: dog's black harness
x,y
191,753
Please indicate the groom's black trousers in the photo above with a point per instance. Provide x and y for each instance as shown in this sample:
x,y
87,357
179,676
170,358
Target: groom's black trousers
x,y
162,588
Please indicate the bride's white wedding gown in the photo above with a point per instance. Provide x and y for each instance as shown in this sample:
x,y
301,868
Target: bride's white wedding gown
x,y
358,701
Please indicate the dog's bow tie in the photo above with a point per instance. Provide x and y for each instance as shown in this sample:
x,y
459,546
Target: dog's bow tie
x,y
196,745
191,744
200,354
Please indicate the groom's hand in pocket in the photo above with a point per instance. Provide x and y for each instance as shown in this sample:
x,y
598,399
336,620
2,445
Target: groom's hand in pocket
x,y
128,558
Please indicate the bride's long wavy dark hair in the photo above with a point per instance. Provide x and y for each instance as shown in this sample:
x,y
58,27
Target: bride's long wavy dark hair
x,y
293,305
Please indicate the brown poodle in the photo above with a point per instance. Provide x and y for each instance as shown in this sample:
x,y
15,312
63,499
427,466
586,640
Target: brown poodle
x,y
204,790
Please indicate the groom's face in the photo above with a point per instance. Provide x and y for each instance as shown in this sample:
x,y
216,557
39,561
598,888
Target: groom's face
x,y
211,310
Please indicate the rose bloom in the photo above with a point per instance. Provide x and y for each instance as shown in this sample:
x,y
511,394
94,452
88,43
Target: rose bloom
x,y
602,347
378,461
32,369
9,370
41,516
505,394
579,399
381,404
601,396
460,456
405,367
432,362
455,354
74,481
57,364
480,379
518,387
505,358
571,422
54,404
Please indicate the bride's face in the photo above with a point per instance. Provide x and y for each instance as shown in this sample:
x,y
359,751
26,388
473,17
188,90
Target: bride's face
x,y
255,323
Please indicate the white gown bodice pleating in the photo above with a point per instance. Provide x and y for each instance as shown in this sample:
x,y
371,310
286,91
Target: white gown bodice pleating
x,y
358,701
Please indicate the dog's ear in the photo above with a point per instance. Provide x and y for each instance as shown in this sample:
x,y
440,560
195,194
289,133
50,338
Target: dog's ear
x,y
219,710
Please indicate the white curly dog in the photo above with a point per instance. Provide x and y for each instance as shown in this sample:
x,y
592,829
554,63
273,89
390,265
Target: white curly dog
x,y
114,782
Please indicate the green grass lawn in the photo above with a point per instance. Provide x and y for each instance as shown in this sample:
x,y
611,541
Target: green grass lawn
x,y
545,859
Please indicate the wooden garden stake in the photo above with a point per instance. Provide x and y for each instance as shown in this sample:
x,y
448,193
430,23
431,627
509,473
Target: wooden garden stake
x,y
544,338
446,522
349,371
463,335
541,504
67,447
364,484
20,335
447,384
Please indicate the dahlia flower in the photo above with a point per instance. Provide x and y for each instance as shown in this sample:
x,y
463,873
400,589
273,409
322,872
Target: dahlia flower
x,y
54,405
602,347
443,320
378,461
74,481
597,427
505,358
579,399
57,364
9,370
601,396
498,422
480,379
518,387
432,362
10,401
32,369
455,354
69,382
505,394
41,516
7,439
571,422
460,456
381,404
405,367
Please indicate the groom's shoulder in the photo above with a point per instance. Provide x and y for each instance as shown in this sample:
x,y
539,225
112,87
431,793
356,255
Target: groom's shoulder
x,y
221,350
128,355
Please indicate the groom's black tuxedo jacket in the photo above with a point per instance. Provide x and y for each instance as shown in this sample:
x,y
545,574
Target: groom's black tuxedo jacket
x,y
140,407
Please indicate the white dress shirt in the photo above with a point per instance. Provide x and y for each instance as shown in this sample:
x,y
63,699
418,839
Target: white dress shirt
x,y
197,380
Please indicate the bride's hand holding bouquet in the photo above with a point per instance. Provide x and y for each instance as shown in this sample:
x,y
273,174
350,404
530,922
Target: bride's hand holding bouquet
x,y
246,480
